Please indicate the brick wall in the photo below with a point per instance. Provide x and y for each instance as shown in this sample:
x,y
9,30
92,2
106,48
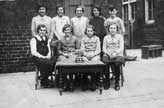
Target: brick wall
x,y
15,34
153,33
15,50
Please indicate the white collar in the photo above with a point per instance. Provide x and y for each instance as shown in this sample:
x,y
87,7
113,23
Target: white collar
x,y
39,38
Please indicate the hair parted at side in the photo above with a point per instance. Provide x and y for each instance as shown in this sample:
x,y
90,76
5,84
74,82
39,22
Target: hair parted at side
x,y
60,6
92,27
79,6
67,26
113,23
41,26
41,5
111,7
98,8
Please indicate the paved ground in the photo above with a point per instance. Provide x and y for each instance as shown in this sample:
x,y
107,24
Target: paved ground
x,y
143,88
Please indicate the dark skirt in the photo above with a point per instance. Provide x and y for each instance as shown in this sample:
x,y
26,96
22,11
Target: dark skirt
x,y
45,66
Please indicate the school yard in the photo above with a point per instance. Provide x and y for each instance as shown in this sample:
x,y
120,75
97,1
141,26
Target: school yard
x,y
143,88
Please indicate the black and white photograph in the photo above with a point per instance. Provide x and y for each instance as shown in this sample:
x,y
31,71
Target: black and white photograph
x,y
82,53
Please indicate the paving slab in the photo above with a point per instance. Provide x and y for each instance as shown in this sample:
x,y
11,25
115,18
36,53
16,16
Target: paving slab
x,y
143,88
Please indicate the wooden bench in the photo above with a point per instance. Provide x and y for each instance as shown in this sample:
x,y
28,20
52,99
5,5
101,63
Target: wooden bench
x,y
151,51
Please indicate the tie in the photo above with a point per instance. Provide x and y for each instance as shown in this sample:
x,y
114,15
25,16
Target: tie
x,y
42,38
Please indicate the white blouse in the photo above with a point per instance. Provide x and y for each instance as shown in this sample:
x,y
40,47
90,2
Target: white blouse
x,y
58,24
79,25
46,20
113,45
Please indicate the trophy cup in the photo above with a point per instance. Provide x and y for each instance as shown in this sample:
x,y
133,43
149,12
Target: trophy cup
x,y
79,57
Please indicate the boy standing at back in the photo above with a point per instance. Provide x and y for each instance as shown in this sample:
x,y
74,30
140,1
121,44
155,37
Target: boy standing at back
x,y
115,19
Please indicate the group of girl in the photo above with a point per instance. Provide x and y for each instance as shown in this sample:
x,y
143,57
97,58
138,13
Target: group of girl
x,y
96,38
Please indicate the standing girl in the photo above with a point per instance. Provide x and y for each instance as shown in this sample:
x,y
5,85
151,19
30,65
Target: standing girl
x,y
98,22
41,18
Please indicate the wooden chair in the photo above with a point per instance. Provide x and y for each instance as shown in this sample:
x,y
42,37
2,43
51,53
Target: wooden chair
x,y
121,74
38,76
111,71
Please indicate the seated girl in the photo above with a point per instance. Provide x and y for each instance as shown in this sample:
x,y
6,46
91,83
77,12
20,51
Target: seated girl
x,y
68,46
40,49
90,45
113,45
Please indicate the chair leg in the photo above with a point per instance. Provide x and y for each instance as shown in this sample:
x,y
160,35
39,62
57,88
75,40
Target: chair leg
x,y
36,78
56,80
36,86
122,76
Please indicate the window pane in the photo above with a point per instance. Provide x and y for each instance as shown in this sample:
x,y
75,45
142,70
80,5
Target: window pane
x,y
126,12
125,7
151,6
133,10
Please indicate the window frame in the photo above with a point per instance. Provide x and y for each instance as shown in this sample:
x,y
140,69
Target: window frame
x,y
147,20
129,5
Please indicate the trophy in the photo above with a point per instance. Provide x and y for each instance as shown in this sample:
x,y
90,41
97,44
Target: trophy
x,y
79,57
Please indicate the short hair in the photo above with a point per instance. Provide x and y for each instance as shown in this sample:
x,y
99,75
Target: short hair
x,y
79,6
98,8
41,26
60,6
112,24
111,7
67,26
41,5
90,26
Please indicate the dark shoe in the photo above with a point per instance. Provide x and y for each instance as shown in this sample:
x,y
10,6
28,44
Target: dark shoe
x,y
117,87
84,87
71,89
43,83
47,85
50,85
92,87
106,86
44,86
65,89
84,84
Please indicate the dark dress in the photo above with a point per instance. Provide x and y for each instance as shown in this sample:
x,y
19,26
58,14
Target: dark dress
x,y
98,23
44,65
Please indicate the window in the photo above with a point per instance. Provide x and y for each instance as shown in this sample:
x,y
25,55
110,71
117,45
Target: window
x,y
149,11
133,10
129,10
125,11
